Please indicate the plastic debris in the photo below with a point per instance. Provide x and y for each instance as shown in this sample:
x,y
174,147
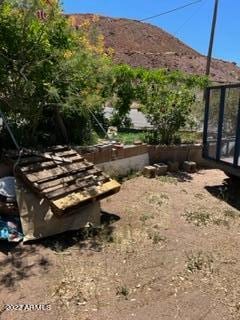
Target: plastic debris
x,y
7,187
10,229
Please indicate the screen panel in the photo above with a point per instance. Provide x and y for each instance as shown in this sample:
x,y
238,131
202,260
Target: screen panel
x,y
229,127
213,119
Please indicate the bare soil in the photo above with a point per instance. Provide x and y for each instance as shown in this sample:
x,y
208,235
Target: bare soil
x,y
169,249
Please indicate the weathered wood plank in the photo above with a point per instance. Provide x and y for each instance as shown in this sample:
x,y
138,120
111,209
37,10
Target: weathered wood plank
x,y
65,154
76,182
70,189
86,182
65,180
59,148
48,165
61,171
75,199
31,160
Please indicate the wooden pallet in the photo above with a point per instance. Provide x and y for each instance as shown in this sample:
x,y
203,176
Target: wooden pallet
x,y
62,177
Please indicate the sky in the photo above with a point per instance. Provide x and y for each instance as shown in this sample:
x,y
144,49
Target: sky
x,y
192,25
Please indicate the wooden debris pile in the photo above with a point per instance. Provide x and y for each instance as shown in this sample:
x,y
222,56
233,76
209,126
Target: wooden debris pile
x,y
62,177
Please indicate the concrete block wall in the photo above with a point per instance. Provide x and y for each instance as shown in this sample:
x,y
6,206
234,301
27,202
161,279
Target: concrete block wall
x,y
109,153
119,159
176,153
125,166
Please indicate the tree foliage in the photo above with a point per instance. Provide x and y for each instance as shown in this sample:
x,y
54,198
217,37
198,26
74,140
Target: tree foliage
x,y
53,77
48,71
165,97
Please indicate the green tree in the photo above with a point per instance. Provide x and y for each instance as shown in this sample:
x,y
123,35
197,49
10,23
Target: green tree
x,y
165,97
48,72
123,94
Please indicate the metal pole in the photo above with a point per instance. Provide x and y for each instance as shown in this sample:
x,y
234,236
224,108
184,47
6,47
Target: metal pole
x,y
214,21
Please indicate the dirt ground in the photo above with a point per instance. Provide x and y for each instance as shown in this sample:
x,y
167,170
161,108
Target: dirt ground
x,y
169,249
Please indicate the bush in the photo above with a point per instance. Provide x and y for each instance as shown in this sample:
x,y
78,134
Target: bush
x,y
166,98
51,78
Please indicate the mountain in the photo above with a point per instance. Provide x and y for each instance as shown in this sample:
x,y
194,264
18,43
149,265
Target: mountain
x,y
142,44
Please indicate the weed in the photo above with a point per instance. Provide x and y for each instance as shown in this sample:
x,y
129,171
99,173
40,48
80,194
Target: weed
x,y
231,214
199,262
203,218
158,199
221,222
167,179
146,216
130,175
199,196
104,234
156,237
123,291
57,246
164,196
223,193
198,218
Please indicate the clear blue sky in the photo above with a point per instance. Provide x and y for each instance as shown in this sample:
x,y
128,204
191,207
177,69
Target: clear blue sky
x,y
191,25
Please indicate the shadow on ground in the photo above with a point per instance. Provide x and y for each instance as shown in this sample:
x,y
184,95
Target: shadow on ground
x,y
22,261
18,263
91,238
228,191
182,176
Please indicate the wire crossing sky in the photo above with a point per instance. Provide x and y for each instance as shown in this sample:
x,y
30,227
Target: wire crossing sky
x,y
170,11
190,24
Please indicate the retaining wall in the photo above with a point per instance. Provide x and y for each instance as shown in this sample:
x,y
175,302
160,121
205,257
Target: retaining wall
x,y
179,153
119,159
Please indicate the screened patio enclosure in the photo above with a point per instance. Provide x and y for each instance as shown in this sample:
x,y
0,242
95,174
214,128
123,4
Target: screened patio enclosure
x,y
221,139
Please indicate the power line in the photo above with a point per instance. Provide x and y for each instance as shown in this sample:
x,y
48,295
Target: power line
x,y
170,11
163,13
189,18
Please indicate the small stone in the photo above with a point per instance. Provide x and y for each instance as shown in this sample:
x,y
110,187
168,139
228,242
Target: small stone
x,y
189,166
162,169
149,172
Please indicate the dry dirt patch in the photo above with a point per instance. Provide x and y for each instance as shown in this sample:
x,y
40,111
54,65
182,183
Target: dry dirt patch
x,y
169,249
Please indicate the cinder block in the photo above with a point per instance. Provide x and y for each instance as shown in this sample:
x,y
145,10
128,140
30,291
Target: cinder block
x,y
189,166
114,154
149,171
119,151
89,157
173,166
104,155
162,169
132,151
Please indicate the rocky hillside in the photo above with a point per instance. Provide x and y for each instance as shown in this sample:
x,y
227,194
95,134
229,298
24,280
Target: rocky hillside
x,y
142,44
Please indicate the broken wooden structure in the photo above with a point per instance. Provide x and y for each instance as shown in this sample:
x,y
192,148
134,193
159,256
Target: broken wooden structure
x,y
62,176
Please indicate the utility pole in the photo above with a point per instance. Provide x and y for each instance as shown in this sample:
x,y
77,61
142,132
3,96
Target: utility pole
x,y
214,21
